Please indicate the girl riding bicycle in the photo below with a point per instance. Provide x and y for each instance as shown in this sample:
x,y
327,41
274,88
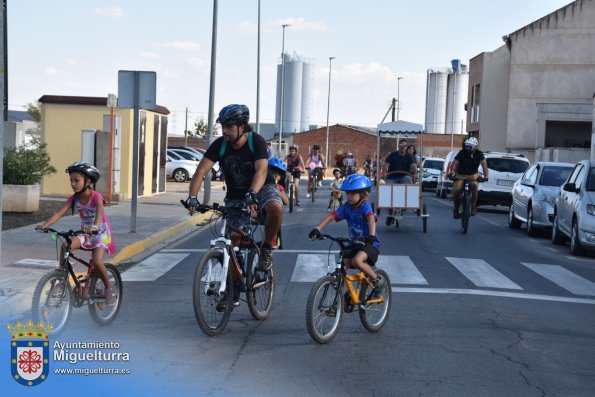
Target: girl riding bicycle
x,y
295,166
361,222
335,187
278,169
89,205
316,163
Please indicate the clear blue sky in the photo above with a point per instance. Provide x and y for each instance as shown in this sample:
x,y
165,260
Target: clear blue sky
x,y
73,47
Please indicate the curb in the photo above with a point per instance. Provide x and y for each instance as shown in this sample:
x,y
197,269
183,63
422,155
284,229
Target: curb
x,y
136,248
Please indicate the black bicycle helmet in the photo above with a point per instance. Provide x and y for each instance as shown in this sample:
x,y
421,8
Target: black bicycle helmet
x,y
90,171
234,114
316,147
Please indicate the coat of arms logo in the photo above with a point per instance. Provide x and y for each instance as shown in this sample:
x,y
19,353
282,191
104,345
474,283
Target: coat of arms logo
x,y
30,359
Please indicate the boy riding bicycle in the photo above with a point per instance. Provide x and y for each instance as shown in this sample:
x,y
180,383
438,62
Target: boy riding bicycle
x,y
361,222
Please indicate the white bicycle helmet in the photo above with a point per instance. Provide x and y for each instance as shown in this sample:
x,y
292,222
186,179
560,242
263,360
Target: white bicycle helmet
x,y
472,141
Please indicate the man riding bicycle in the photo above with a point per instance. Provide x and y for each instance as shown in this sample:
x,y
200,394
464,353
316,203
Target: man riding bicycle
x,y
316,163
243,157
465,165
399,167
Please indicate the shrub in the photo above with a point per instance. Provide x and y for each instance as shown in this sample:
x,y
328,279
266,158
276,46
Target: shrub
x,y
26,165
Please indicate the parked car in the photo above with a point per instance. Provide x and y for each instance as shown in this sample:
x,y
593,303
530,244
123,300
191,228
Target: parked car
x,y
194,155
534,195
179,170
431,168
505,169
443,184
574,213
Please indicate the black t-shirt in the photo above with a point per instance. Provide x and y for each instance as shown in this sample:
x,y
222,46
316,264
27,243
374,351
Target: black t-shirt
x,y
468,161
396,162
238,164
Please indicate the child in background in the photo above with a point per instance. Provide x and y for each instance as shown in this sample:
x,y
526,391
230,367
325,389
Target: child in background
x,y
361,222
278,169
89,205
335,187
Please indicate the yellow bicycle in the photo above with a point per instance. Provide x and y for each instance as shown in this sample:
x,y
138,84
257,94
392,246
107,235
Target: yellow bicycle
x,y
339,292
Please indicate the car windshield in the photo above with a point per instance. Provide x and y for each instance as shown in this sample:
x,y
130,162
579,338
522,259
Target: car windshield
x,y
507,165
554,176
433,164
591,180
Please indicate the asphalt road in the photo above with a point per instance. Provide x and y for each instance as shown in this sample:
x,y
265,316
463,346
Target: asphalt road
x,y
493,314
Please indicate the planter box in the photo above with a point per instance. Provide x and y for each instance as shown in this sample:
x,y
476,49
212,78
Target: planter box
x,y
20,198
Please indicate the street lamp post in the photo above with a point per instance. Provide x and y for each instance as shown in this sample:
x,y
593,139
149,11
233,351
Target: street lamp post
x,y
282,86
328,107
398,96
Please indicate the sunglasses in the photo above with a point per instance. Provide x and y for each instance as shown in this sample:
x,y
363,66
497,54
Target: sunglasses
x,y
469,147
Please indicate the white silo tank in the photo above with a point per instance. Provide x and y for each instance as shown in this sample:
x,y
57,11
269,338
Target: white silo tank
x,y
292,108
456,97
306,80
436,101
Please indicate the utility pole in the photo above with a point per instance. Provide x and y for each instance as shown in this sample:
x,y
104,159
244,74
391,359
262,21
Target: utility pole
x,y
4,92
186,129
393,107
207,184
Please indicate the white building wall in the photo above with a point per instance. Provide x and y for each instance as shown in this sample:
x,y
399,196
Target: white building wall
x,y
552,61
493,107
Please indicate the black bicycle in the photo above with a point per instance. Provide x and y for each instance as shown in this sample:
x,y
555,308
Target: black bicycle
x,y
62,289
225,271
466,204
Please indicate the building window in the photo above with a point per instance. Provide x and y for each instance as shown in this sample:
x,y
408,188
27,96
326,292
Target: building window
x,y
475,97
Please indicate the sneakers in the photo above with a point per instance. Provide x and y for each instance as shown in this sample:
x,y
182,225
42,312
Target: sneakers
x,y
266,259
456,214
379,287
110,299
308,195
298,204
390,220
319,183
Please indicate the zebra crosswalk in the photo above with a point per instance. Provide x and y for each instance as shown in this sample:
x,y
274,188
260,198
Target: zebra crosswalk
x,y
405,275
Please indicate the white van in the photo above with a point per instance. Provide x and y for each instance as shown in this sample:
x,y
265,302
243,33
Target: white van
x,y
444,185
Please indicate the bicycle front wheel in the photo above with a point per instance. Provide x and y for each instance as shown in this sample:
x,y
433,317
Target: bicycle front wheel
x,y
261,287
465,213
52,301
100,311
291,193
374,315
324,311
212,309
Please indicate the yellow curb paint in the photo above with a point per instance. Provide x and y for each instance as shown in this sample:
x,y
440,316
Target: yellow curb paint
x,y
140,246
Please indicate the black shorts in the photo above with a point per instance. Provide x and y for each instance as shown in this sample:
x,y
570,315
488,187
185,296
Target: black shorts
x,y
369,249
296,174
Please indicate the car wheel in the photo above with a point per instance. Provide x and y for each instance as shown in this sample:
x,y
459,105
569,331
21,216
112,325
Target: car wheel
x,y
557,237
531,229
513,222
575,245
180,175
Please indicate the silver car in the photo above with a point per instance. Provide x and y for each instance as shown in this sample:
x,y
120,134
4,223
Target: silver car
x,y
179,170
574,214
534,195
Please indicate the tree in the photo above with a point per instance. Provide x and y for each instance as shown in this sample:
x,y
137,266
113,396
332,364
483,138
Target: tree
x,y
201,129
34,110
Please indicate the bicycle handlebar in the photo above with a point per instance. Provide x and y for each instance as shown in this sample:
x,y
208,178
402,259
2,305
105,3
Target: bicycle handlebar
x,y
70,233
341,240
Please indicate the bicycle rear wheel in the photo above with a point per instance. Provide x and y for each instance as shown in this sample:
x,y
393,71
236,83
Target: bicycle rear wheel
x,y
261,287
52,301
313,190
324,311
100,312
374,315
465,213
291,193
211,308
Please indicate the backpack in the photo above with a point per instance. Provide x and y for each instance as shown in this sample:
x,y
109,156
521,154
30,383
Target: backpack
x,y
250,145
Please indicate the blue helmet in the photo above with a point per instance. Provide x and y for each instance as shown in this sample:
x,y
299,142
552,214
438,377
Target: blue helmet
x,y
276,162
356,182
234,114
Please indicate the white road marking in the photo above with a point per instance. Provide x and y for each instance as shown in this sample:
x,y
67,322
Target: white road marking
x,y
37,263
153,267
480,273
564,278
283,251
501,294
400,269
309,268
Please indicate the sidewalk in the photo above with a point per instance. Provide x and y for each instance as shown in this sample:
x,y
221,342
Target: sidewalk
x,y
160,220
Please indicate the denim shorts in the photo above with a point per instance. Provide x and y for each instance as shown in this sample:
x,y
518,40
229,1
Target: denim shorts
x,y
239,218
